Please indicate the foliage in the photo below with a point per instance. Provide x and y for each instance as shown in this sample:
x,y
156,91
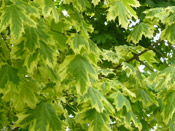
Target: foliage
x,y
74,65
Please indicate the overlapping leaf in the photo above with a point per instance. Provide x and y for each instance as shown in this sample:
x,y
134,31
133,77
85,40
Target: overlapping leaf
x,y
8,73
48,7
80,68
97,121
169,107
80,5
48,54
77,42
123,10
98,101
141,29
15,17
130,117
120,101
168,33
42,118
22,95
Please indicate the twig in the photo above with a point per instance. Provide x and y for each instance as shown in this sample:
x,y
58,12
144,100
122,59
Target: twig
x,y
158,51
139,54
145,65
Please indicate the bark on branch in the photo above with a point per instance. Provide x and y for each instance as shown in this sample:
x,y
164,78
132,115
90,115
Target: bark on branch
x,y
139,54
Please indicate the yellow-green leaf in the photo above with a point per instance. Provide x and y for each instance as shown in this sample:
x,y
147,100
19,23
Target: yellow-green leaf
x,y
15,17
146,29
123,10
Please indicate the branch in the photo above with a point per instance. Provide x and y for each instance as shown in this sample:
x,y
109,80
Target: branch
x,y
158,51
145,65
139,54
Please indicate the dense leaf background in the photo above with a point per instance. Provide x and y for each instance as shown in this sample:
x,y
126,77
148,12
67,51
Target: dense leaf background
x,y
76,65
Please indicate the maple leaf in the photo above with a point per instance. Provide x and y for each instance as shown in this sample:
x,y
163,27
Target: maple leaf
x,y
48,54
15,17
48,7
145,97
120,101
168,33
98,101
131,117
79,23
8,73
122,10
23,94
158,13
80,5
80,68
169,107
149,57
31,61
77,42
32,40
97,121
141,29
48,60
42,118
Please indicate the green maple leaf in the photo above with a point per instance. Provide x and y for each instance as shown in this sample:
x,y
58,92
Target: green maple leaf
x,y
120,101
77,42
15,17
80,68
42,118
5,53
48,54
48,7
57,31
97,121
130,70
31,41
98,101
141,29
80,5
169,34
79,23
123,10
158,13
149,57
31,60
131,117
145,97
8,73
46,73
60,40
23,94
164,78
169,106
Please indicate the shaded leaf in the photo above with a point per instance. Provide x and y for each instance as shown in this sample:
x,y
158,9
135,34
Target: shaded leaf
x,y
42,118
8,73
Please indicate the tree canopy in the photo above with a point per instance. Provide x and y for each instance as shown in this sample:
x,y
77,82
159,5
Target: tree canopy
x,y
76,65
